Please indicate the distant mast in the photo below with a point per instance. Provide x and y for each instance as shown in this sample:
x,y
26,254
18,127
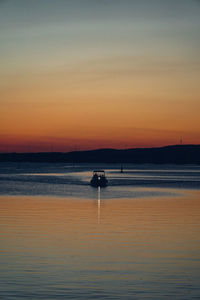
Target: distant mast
x,y
181,140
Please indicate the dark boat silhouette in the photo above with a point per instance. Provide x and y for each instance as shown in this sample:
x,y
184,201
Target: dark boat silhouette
x,y
99,179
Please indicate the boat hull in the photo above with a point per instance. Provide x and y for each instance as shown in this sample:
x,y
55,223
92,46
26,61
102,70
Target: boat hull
x,y
97,183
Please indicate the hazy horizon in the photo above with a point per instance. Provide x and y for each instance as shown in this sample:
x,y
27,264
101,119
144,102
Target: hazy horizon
x,y
77,149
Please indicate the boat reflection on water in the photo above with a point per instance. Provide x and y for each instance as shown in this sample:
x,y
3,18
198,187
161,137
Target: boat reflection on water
x,y
99,204
99,179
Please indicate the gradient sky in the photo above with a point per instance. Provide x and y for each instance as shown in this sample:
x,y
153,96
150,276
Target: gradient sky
x,y
83,74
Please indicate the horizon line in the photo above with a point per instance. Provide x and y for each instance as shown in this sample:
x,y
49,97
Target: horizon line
x,y
97,149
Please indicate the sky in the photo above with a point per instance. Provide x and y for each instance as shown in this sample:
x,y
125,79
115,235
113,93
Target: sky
x,y
87,74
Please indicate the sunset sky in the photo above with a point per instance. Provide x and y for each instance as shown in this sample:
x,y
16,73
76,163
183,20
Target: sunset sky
x,y
85,74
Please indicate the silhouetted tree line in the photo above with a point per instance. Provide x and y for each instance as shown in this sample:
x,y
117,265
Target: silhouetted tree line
x,y
178,154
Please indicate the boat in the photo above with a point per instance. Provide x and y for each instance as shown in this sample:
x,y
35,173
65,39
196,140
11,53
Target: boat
x,y
99,179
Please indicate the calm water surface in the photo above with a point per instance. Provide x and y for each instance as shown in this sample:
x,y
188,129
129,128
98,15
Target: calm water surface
x,y
139,238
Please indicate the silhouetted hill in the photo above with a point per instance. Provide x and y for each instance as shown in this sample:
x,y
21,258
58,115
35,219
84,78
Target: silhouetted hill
x,y
177,154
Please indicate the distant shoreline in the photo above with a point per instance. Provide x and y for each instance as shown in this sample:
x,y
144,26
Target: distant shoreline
x,y
174,154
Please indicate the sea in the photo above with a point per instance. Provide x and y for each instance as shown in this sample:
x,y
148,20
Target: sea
x,y
137,238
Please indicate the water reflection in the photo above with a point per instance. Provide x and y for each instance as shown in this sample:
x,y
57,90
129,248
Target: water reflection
x,y
145,247
99,204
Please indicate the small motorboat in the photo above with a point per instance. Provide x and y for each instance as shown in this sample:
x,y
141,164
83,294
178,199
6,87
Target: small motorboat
x,y
99,179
